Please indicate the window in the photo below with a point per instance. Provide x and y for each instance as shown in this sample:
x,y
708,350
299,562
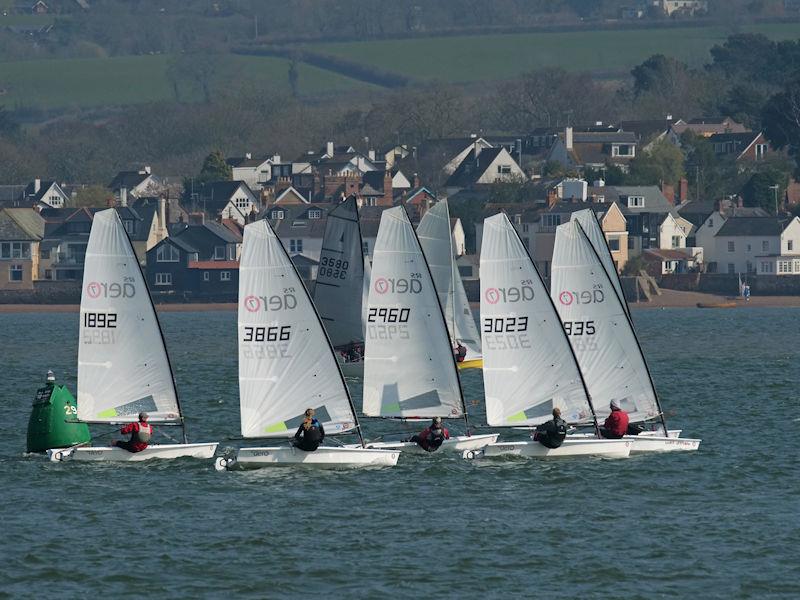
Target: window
x,y
206,276
365,247
242,202
15,273
761,150
15,250
765,246
731,268
790,245
48,274
731,247
299,223
550,221
314,213
623,150
750,267
296,246
55,201
44,254
167,253
163,278
749,248
219,252
766,267
676,241
613,244
370,202
635,201
524,228
225,276
600,199
130,226
784,266
277,214
231,252
504,169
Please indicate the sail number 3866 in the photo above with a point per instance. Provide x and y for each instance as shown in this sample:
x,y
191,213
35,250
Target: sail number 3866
x,y
267,334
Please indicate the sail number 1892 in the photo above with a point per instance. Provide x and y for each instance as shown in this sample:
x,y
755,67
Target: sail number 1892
x,y
100,320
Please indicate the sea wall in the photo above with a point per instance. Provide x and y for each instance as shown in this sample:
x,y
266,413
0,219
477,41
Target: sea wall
x,y
728,285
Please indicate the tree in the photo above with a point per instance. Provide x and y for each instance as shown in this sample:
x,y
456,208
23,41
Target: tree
x,y
294,77
663,163
93,196
470,211
760,189
215,168
781,119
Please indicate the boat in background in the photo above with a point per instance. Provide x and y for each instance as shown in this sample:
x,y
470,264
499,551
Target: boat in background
x,y
123,365
436,239
603,339
529,366
410,371
286,365
339,289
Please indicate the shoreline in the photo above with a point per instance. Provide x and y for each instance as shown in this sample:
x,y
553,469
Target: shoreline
x,y
667,299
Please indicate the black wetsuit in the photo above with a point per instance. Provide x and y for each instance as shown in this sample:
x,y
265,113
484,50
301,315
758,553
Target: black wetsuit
x,y
309,439
552,433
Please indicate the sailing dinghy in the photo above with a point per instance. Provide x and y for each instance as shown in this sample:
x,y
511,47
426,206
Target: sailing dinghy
x,y
123,366
410,372
602,336
338,291
287,364
436,240
528,365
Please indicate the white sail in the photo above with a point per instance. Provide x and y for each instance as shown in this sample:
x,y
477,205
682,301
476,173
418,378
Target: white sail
x,y
365,293
409,369
528,367
286,363
594,232
436,240
340,275
598,328
122,362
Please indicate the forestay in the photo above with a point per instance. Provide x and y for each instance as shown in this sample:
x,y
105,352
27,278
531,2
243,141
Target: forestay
x,y
597,238
286,363
340,275
122,362
598,328
528,367
409,370
436,240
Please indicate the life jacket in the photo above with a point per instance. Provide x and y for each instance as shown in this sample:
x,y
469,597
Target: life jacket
x,y
435,439
553,433
312,435
142,434
461,353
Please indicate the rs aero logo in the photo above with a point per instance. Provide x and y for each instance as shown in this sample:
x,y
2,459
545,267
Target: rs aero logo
x,y
102,289
523,293
270,303
400,285
594,296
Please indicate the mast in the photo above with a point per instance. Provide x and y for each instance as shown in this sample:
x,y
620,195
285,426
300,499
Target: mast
x,y
160,333
608,249
328,341
633,331
561,327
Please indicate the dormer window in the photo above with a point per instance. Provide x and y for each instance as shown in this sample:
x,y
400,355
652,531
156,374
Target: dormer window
x,y
626,150
277,214
314,214
635,201
600,199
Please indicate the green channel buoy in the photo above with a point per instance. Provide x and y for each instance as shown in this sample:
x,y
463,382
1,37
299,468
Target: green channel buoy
x,y
53,422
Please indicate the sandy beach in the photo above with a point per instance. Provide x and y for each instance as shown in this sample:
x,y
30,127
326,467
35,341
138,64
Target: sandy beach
x,y
20,308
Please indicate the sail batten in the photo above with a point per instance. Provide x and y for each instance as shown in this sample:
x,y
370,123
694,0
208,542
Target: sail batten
x,y
123,368
409,367
286,363
600,330
528,365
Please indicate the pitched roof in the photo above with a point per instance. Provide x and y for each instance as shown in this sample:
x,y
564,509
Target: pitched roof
x,y
603,137
242,162
472,167
654,200
214,264
128,179
751,226
182,244
21,224
667,254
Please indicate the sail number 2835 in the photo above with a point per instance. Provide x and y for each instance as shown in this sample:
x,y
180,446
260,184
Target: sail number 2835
x,y
579,327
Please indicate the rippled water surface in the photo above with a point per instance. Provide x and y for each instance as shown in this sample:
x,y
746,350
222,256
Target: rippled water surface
x,y
719,523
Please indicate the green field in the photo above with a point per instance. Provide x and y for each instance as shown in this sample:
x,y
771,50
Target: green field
x,y
487,57
90,82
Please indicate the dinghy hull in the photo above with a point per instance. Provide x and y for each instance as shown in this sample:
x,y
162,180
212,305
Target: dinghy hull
x,y
471,363
322,458
352,369
650,441
455,444
112,454
570,448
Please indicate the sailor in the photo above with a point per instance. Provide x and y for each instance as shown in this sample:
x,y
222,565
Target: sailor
x,y
552,433
310,434
432,436
616,424
460,351
141,432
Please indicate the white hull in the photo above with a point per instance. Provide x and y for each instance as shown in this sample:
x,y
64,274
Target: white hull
x,y
352,369
651,441
456,444
323,458
570,448
157,451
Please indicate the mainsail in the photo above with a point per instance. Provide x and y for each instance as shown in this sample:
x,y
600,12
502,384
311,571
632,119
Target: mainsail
x,y
528,366
598,327
437,245
597,238
340,275
286,363
409,366
123,366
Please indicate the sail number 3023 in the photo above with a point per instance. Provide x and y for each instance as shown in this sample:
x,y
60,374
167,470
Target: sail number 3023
x,y
505,324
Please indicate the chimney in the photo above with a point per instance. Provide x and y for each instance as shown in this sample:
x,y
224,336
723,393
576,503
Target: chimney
x,y
248,156
37,185
552,197
162,213
197,218
669,192
388,196
739,201
329,149
417,183
146,170
476,147
683,190
371,155
568,138
123,196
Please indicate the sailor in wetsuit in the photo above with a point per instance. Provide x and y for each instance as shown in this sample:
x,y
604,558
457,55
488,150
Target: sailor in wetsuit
x,y
310,434
432,437
552,433
460,351
141,432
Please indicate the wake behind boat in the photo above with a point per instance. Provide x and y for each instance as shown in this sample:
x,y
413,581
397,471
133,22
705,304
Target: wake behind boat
x,y
123,366
287,365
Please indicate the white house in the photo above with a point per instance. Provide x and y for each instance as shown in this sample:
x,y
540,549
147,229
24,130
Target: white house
x,y
136,183
787,260
255,172
45,194
749,244
230,200
484,167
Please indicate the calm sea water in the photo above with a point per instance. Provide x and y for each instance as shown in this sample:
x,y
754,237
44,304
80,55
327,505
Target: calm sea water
x,y
719,523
